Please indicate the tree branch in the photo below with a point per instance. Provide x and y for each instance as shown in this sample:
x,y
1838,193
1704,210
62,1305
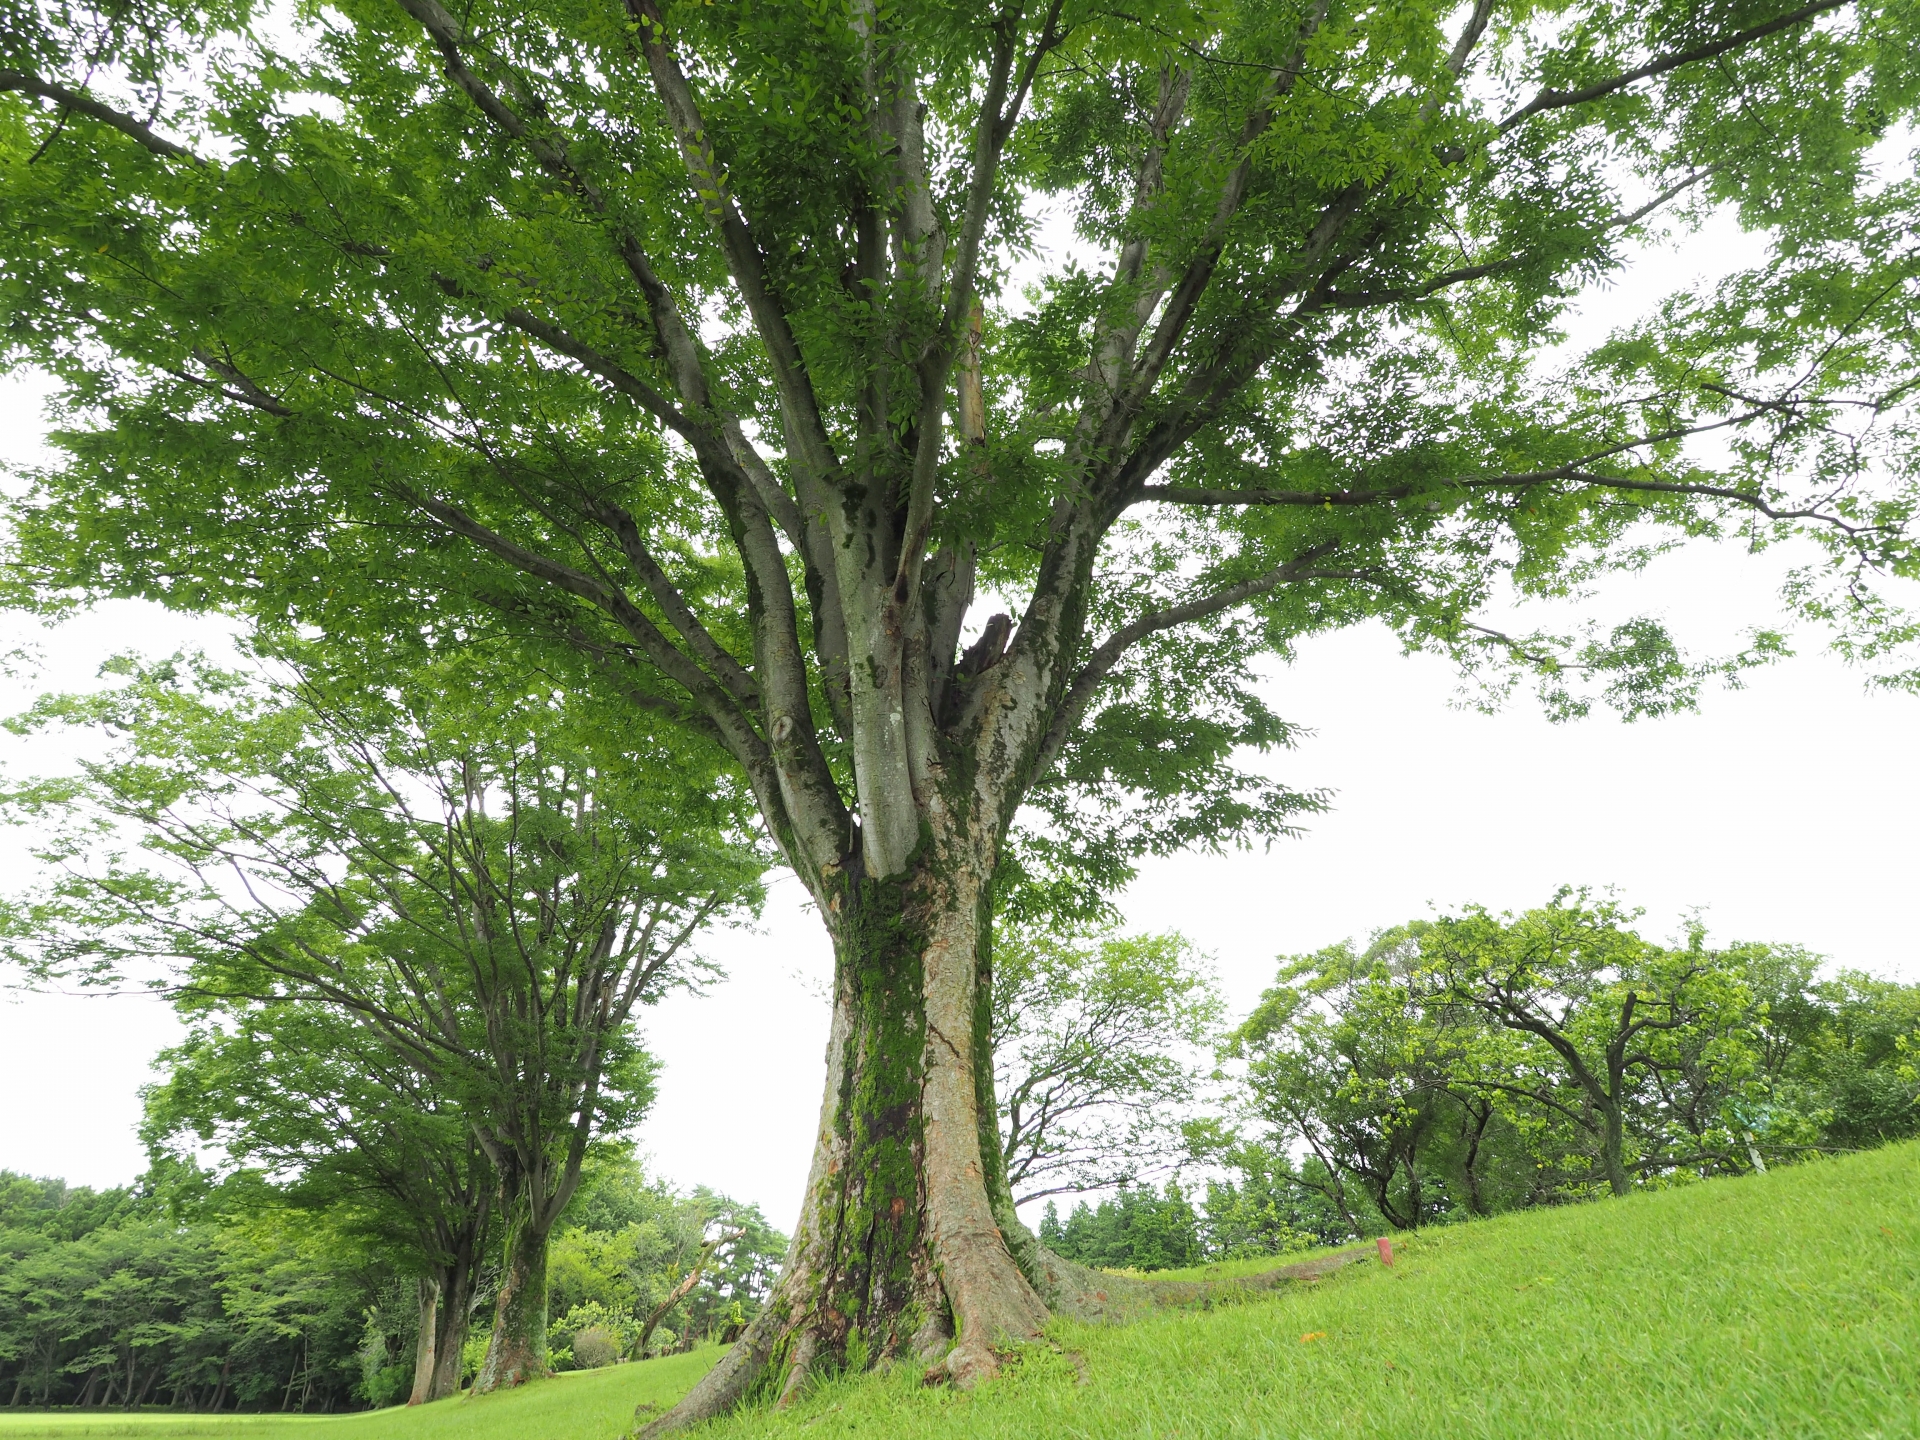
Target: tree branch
x,y
1087,679
74,100
744,261
1559,99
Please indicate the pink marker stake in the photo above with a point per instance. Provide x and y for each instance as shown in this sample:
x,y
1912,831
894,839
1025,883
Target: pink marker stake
x,y
1386,1250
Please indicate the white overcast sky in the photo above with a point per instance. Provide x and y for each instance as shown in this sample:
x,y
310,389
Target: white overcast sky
x,y
1785,811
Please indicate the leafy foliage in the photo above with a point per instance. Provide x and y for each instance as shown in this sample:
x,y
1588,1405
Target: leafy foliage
x,y
1478,1063
462,902
631,1242
1100,1050
1137,1228
153,1295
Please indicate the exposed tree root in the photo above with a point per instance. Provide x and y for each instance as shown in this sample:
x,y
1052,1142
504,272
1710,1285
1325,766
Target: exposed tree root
x,y
729,1382
1098,1297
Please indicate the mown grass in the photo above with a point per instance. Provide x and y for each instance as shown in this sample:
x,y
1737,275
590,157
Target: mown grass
x,y
1777,1305
1785,1304
583,1405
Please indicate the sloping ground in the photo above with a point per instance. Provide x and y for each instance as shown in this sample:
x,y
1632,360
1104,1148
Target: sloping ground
x,y
586,1405
1778,1305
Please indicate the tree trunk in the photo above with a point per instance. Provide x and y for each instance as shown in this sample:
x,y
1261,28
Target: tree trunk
x,y
453,1321
517,1352
903,1245
1476,1201
424,1342
1613,1149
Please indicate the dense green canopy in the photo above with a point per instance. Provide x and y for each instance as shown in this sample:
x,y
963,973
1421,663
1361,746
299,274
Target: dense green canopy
x,y
699,356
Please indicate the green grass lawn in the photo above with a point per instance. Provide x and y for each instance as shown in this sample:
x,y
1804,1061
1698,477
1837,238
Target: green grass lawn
x,y
584,1405
1778,1305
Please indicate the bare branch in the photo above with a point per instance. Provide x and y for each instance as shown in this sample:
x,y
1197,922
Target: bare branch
x,y
744,261
719,661
1193,283
610,370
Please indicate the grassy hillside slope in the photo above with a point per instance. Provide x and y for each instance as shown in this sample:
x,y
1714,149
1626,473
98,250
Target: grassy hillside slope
x,y
1778,1305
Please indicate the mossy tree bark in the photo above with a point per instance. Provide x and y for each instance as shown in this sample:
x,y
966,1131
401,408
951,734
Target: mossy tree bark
x,y
907,1247
517,1351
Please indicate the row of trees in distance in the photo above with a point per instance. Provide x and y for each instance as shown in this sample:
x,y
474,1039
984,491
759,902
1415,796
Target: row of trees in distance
x,y
1475,1063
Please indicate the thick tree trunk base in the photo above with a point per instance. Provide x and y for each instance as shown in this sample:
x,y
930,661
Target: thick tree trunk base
x,y
450,1339
908,1248
517,1351
1075,1292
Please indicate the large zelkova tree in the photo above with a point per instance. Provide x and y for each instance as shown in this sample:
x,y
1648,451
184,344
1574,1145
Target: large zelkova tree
x,y
706,351
480,889
326,1119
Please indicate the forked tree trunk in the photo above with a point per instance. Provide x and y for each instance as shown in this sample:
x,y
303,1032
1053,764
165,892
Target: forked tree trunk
x,y
902,1250
454,1319
517,1351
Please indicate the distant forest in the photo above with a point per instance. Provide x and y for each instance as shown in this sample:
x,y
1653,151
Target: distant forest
x,y
178,1293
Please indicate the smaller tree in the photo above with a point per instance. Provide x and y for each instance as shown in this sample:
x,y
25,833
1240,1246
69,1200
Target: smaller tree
x,y
333,1123
1136,1228
1607,1014
1857,1066
639,1255
1341,1058
1269,1204
466,870
1100,1049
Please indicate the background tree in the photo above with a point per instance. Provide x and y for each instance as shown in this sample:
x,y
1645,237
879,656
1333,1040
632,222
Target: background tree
x,y
1267,1203
341,1127
630,1243
1340,1059
161,1294
491,910
1479,1063
1855,1067
676,345
1136,1228
1611,1015
1100,1050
